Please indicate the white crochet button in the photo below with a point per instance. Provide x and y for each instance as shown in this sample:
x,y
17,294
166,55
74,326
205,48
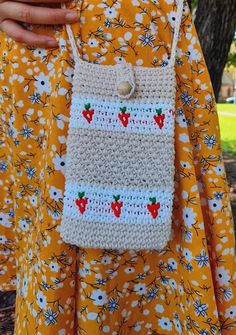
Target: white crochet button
x,y
124,88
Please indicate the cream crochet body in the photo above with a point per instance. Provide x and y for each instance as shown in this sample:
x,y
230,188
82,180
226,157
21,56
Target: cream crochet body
x,y
120,154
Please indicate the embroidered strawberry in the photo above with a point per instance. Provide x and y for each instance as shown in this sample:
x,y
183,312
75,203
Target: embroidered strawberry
x,y
116,206
81,202
88,112
124,116
153,207
159,118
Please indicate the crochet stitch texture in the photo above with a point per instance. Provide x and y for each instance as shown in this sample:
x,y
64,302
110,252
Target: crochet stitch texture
x,y
119,175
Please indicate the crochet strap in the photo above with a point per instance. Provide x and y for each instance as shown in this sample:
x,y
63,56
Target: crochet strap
x,y
180,4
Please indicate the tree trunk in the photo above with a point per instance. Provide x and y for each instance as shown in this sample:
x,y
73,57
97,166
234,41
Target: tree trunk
x,y
190,4
215,23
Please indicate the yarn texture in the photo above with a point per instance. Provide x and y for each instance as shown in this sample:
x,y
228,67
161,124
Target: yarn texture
x,y
119,185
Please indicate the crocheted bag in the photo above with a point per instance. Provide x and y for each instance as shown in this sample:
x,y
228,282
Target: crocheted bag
x,y
119,179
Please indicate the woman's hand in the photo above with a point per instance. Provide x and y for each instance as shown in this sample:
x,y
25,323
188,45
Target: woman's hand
x,y
30,12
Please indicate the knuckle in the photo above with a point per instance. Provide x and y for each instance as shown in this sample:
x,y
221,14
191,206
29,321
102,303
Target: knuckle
x,y
55,17
25,14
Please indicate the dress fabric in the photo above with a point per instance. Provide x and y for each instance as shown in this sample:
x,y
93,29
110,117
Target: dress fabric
x,y
189,287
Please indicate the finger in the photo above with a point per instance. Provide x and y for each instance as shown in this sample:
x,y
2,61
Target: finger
x,y
36,15
19,34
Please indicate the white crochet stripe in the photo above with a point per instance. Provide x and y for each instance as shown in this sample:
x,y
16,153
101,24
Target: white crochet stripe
x,y
106,114
133,211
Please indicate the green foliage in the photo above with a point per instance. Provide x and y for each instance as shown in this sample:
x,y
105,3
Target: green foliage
x,y
232,56
227,119
194,4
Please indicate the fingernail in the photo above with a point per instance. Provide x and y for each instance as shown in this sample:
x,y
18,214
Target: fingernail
x,y
71,17
52,43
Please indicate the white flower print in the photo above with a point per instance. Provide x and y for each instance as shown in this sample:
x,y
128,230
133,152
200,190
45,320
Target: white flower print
x,y
159,308
172,18
172,263
106,260
54,267
4,251
110,13
177,325
215,204
92,316
129,270
189,216
93,42
140,289
42,83
187,254
59,162
24,288
41,300
173,284
231,312
55,193
222,276
24,224
3,270
4,220
219,169
185,165
69,74
2,239
85,270
183,138
40,52
181,120
99,297
193,54
165,323
33,200
106,329
181,289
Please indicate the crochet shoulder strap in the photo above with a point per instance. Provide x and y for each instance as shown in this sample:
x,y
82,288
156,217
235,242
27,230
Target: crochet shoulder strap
x,y
180,4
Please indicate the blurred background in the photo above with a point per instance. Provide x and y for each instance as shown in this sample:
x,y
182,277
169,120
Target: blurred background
x,y
215,21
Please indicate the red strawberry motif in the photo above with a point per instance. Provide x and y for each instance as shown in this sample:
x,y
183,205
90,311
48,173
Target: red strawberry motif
x,y
81,202
116,206
88,113
123,116
153,207
159,118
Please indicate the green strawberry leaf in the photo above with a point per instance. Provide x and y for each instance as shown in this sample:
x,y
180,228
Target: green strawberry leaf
x,y
153,200
116,197
123,109
81,194
87,106
159,111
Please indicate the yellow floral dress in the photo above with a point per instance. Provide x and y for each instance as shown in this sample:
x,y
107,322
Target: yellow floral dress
x,y
189,287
